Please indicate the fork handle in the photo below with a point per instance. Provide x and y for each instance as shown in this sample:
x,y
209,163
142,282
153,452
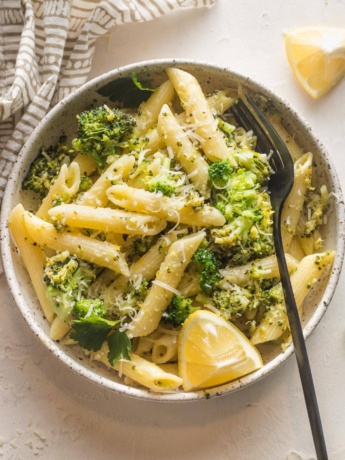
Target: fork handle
x,y
299,345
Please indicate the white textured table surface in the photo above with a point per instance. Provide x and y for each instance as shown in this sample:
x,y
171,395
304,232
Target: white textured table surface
x,y
47,411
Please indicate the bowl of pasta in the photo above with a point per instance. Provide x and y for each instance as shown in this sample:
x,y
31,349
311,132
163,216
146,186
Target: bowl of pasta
x,y
137,232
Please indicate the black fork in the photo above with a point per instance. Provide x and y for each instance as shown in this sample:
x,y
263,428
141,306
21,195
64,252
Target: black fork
x,y
279,186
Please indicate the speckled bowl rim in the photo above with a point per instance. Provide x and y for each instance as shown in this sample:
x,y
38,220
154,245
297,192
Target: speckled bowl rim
x,y
122,388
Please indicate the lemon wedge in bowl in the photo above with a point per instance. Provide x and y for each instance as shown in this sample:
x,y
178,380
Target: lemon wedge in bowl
x,y
212,351
317,57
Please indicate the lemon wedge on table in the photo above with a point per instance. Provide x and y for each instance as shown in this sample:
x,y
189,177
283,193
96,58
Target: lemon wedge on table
x,y
212,351
317,57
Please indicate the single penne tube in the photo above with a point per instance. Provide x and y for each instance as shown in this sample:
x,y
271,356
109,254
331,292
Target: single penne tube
x,y
107,219
96,195
149,110
164,286
264,268
32,256
191,160
294,203
65,186
195,105
141,371
308,272
164,349
172,209
92,250
87,164
59,329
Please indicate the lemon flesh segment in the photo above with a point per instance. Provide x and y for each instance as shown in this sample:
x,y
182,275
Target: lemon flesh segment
x,y
212,351
317,57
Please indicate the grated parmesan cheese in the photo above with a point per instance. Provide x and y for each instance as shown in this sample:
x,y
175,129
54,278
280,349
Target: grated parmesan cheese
x,y
166,286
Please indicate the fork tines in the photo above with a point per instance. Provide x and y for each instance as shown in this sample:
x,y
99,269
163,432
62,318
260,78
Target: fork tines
x,y
245,118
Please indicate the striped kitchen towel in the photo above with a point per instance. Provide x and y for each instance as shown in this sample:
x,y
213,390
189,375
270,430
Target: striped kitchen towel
x,y
46,49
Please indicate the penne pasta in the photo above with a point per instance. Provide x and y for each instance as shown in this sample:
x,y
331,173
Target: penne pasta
x,y
308,272
202,119
296,249
144,268
189,285
218,103
149,110
96,195
94,251
295,150
142,371
190,158
107,220
309,243
66,185
148,265
172,209
164,349
59,328
166,282
33,257
294,203
264,268
86,164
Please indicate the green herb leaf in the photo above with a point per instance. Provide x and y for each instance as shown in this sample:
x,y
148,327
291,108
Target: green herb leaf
x,y
124,91
139,85
119,347
92,331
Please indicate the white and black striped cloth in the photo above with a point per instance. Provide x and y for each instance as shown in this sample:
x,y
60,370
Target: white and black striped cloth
x,y
46,49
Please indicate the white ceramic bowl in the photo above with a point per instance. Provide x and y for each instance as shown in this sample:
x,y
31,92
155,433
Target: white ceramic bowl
x,y
62,119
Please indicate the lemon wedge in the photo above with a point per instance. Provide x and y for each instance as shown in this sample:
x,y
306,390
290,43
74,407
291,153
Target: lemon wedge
x,y
317,57
212,351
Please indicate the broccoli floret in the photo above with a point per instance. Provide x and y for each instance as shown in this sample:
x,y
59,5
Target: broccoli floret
x,y
178,311
207,266
67,279
255,298
247,209
166,181
142,244
226,128
138,292
101,131
89,307
232,302
220,172
46,167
